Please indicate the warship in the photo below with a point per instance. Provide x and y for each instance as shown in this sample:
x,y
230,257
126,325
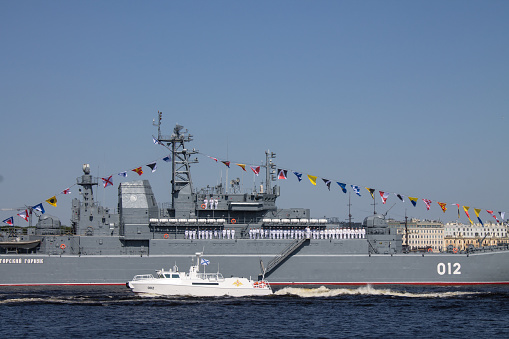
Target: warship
x,y
245,234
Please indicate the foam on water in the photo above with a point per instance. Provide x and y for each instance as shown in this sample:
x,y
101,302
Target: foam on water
x,y
323,291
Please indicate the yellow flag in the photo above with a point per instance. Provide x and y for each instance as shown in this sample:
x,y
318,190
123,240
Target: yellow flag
x,y
312,178
243,166
477,211
413,201
52,201
371,191
465,208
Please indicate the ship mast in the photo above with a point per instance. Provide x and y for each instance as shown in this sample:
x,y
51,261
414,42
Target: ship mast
x,y
269,170
181,183
349,212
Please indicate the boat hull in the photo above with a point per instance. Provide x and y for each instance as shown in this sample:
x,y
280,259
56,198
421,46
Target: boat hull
x,y
233,287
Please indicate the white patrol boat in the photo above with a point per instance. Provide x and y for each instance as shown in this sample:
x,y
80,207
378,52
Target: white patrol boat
x,y
196,284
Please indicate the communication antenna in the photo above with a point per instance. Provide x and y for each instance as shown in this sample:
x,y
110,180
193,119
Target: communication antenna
x,y
349,212
385,214
158,124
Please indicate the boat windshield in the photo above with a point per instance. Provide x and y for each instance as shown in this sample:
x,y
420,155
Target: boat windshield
x,y
210,276
172,275
143,277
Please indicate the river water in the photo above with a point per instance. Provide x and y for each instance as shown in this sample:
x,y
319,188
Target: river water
x,y
374,312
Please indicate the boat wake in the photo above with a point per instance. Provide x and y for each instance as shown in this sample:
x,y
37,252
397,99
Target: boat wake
x,y
323,291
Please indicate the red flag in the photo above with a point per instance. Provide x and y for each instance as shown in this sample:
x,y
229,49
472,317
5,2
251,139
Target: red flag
x,y
427,202
384,196
281,174
256,169
138,170
24,215
493,215
442,205
107,181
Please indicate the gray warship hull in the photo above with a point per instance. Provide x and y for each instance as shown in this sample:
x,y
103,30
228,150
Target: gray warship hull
x,y
242,234
320,262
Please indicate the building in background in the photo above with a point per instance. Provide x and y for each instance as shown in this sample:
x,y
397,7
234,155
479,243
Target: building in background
x,y
462,236
423,235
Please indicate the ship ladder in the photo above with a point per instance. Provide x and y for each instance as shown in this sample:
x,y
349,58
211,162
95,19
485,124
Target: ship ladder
x,y
280,258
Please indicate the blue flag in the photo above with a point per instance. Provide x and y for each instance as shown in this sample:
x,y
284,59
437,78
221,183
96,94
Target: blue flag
x,y
356,190
299,175
343,186
167,159
39,208
205,262
9,221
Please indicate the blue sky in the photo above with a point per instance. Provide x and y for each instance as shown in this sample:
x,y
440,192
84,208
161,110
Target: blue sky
x,y
401,96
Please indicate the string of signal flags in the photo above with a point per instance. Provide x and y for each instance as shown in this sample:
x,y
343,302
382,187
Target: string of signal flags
x,y
282,174
107,181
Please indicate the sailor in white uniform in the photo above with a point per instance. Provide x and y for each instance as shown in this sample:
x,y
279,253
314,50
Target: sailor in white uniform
x,y
205,202
216,203
233,233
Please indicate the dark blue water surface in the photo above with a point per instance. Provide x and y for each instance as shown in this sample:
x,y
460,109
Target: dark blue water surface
x,y
372,312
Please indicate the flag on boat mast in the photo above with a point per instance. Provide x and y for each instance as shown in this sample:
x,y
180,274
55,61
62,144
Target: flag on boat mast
x,y
205,262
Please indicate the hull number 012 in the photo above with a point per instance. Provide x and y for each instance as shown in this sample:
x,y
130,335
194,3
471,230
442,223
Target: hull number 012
x,y
449,268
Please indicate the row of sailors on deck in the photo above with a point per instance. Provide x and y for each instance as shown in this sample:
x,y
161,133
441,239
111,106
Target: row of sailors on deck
x,y
278,233
210,204
315,233
209,234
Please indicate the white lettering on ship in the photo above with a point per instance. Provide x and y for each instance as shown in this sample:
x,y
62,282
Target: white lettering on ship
x,y
21,261
449,268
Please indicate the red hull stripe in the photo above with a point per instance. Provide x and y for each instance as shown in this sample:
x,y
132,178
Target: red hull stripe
x,y
68,284
392,283
297,283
